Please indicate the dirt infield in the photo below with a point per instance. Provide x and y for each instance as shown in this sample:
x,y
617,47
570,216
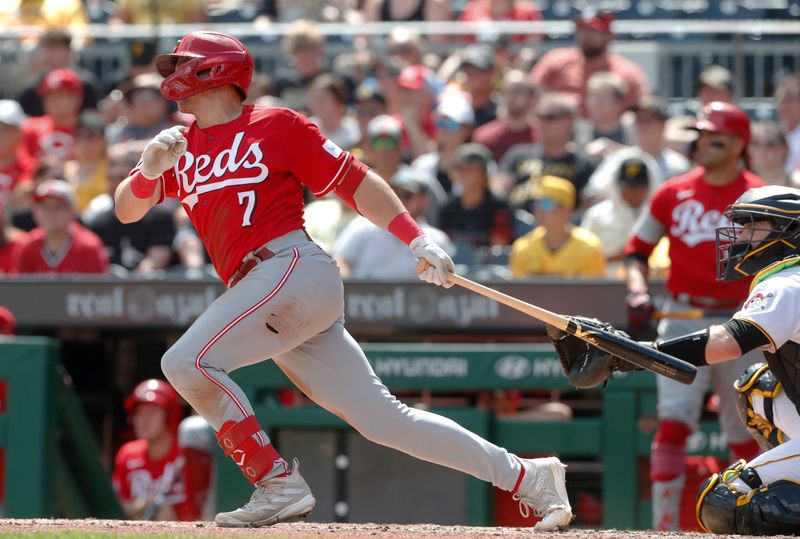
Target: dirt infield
x,y
75,528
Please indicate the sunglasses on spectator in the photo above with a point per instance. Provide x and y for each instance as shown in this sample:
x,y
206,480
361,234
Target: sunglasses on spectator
x,y
551,116
447,124
385,143
766,144
717,144
546,204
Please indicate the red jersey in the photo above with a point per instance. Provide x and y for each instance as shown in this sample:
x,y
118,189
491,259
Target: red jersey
x,y
16,172
688,211
564,70
82,252
137,476
242,182
9,253
41,138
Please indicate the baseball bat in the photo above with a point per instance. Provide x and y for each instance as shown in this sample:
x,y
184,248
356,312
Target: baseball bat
x,y
629,350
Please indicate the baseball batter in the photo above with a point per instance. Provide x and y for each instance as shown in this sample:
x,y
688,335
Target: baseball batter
x,y
239,172
687,209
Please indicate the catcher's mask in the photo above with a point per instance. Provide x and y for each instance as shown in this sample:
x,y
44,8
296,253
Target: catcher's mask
x,y
763,229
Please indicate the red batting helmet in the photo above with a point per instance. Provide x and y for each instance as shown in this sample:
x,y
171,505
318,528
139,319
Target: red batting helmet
x,y
214,60
161,394
719,117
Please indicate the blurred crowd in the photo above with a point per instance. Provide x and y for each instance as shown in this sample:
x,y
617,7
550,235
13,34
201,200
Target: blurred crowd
x,y
519,163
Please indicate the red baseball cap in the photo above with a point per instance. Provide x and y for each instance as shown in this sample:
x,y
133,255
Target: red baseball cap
x,y
590,18
415,77
8,323
61,79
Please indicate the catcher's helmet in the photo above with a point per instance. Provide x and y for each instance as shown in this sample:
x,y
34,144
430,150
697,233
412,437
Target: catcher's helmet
x,y
161,394
215,59
719,117
764,229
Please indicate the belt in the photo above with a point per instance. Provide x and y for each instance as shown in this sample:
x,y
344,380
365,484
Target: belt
x,y
708,303
249,262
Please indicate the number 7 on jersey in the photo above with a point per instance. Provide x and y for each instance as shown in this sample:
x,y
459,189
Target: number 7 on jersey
x,y
250,198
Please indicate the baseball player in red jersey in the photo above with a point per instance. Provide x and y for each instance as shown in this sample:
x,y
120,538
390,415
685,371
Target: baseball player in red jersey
x,y
239,172
688,209
148,472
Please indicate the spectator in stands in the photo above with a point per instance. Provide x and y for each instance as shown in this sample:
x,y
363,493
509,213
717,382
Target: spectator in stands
x,y
325,218
502,10
787,99
366,251
605,130
10,241
454,121
370,103
152,13
53,135
417,97
59,244
649,122
8,322
475,218
405,11
514,124
383,153
612,219
140,247
767,152
305,46
55,52
385,72
88,171
715,83
478,66
405,44
16,166
567,70
556,246
22,196
146,112
328,98
554,155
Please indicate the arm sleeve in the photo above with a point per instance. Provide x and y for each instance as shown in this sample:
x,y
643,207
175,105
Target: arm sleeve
x,y
772,308
746,335
317,161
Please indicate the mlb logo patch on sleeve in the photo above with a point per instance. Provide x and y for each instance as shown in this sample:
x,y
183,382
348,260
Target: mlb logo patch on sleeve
x,y
332,148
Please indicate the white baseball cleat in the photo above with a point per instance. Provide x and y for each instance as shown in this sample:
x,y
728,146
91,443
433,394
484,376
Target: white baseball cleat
x,y
273,501
544,490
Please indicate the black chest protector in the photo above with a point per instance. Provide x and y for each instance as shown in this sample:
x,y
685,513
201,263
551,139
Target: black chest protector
x,y
785,365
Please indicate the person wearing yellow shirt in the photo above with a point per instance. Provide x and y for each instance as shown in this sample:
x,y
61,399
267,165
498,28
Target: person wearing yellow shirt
x,y
556,246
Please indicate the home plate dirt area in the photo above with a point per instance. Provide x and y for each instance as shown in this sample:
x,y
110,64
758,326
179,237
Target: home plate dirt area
x,y
119,528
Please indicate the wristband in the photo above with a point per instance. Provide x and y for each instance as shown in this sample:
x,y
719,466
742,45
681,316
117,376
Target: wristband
x,y
142,187
405,228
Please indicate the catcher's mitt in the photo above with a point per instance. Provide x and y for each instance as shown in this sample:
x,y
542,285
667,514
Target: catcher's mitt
x,y
585,365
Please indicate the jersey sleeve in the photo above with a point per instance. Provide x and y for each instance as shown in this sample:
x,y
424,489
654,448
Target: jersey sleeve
x,y
317,161
650,227
772,307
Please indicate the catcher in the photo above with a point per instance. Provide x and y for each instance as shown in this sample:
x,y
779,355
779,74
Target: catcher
x,y
762,239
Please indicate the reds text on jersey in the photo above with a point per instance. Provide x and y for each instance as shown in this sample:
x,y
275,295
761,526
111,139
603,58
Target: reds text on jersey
x,y
242,182
688,210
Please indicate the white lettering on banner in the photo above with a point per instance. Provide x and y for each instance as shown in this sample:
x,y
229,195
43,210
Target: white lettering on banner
x,y
693,224
422,367
193,172
421,306
547,368
139,304
512,367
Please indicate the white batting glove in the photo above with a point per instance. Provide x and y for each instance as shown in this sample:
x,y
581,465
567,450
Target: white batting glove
x,y
162,152
433,264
